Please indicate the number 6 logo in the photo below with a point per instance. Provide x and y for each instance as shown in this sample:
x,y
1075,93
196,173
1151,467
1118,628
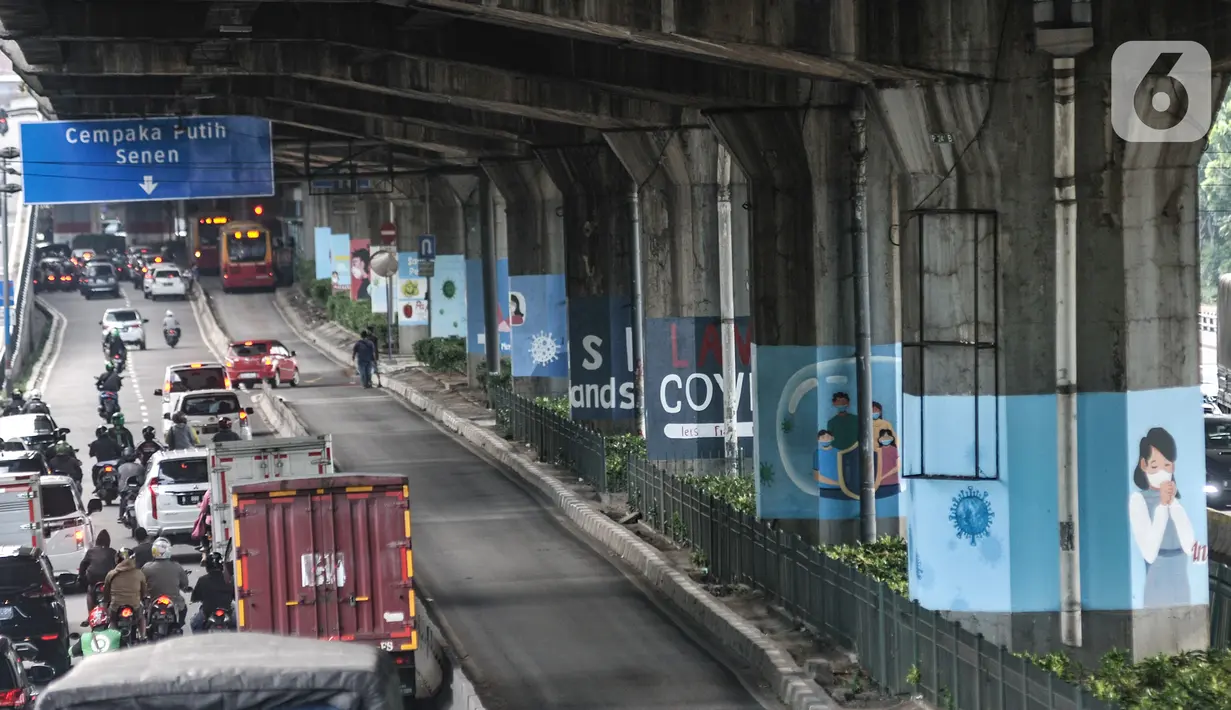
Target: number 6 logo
x,y
386,645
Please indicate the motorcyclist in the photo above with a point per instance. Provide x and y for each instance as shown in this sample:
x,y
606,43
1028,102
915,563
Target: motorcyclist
x,y
126,586
149,446
16,404
166,577
213,591
35,404
65,461
181,435
129,469
100,638
104,447
201,529
110,380
122,435
114,345
170,322
225,431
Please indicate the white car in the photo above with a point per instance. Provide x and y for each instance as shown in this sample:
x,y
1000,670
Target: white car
x,y
151,266
170,498
169,282
130,323
204,408
191,377
67,530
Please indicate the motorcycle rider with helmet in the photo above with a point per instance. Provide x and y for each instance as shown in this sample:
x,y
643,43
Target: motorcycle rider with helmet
x,y
149,446
100,638
126,586
122,435
181,435
16,404
166,577
225,431
104,447
128,469
35,404
114,345
110,380
65,461
170,322
214,591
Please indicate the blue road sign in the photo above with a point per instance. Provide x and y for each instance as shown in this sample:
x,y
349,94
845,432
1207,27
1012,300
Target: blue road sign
x,y
427,247
131,160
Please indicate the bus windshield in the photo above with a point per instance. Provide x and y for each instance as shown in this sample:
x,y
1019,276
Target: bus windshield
x,y
242,249
208,234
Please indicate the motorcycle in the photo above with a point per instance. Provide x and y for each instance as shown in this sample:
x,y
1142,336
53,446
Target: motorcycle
x,y
108,405
118,362
73,472
172,336
222,619
162,619
125,621
106,481
127,518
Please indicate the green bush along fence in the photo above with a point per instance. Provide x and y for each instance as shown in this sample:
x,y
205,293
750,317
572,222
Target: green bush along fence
x,y
903,647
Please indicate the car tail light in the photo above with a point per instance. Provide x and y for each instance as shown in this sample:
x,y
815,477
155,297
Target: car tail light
x,y
49,637
242,416
46,590
153,500
226,382
14,698
79,538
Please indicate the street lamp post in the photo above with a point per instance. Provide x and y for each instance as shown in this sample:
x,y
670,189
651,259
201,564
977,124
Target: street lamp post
x,y
7,188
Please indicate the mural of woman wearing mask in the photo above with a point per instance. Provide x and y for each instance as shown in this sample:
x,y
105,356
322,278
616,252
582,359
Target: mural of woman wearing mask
x,y
1161,527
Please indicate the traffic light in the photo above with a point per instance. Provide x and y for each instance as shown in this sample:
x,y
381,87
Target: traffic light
x,y
4,122
258,210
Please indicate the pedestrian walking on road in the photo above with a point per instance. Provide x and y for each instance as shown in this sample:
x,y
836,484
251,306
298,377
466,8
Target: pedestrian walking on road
x,y
363,355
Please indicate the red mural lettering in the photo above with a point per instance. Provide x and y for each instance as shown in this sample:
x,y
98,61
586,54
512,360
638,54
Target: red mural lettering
x,y
675,349
711,347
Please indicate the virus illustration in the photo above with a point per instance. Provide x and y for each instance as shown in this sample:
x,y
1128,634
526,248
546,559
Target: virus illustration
x,y
971,515
787,425
543,349
448,289
767,473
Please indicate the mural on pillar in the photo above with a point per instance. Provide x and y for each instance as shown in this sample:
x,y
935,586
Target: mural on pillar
x,y
340,257
360,270
322,237
685,389
1166,508
538,319
476,341
413,304
600,351
449,297
806,431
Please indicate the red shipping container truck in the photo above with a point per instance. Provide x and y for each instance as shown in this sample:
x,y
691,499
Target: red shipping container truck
x,y
329,558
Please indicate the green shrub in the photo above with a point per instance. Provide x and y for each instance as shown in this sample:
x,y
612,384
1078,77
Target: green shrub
x,y
356,315
620,448
319,291
442,354
1197,679
738,491
559,405
305,272
505,379
883,560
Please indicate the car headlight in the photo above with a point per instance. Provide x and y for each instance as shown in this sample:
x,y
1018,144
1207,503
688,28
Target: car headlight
x,y
1211,488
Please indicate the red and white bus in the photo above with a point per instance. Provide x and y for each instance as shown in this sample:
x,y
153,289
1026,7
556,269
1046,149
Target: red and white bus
x,y
207,231
247,257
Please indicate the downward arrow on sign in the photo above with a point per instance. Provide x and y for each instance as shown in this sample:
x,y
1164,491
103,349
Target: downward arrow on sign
x,y
149,185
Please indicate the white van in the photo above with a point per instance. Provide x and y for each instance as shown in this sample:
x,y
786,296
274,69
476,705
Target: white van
x,y
46,512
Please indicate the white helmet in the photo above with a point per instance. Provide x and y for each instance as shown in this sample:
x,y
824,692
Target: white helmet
x,y
161,549
170,314
34,394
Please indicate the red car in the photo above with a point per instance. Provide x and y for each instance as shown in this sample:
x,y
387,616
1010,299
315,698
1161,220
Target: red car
x,y
251,362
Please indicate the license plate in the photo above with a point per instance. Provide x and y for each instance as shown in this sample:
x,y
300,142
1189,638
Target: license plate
x,y
6,613
249,375
188,498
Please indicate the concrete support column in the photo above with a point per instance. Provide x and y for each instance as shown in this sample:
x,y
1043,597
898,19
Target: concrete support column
x,y
538,305
981,424
598,272
681,287
467,190
799,167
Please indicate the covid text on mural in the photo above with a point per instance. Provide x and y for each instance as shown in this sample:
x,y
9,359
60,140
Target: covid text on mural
x,y
616,393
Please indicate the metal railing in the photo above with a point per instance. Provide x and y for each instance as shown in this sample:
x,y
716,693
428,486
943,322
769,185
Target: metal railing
x,y
1220,605
555,439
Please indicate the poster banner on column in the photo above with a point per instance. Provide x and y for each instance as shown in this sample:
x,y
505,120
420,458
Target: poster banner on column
x,y
339,255
684,387
360,270
600,351
449,297
538,318
807,431
412,291
476,339
323,239
380,284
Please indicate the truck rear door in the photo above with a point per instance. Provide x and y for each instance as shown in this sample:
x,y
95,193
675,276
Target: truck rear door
x,y
21,511
332,563
235,463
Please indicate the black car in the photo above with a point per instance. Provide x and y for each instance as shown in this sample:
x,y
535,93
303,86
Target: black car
x,y
36,432
99,277
1218,461
32,606
16,683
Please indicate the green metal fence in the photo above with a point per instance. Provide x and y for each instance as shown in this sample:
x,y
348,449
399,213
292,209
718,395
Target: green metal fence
x,y
903,647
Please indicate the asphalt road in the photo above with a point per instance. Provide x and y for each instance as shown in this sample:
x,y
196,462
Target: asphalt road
x,y
74,402
543,618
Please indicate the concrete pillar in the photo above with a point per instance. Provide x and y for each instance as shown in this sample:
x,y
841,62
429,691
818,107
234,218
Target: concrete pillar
x,y
538,306
447,290
467,190
598,273
799,166
979,265
681,281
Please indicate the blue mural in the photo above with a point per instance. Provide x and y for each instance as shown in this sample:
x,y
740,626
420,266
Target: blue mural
x,y
323,240
807,435
972,515
408,265
684,387
601,358
448,291
340,261
538,318
476,339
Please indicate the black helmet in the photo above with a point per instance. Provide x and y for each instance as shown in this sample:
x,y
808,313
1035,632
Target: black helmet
x,y
101,432
128,454
149,433
224,424
213,562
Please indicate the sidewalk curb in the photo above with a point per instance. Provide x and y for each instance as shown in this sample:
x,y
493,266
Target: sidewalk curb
x,y
42,369
789,682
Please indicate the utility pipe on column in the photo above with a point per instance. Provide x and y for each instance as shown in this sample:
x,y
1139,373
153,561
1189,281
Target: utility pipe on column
x,y
638,315
491,299
863,319
391,318
726,286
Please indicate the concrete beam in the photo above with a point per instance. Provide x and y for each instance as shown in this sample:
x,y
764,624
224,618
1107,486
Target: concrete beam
x,y
630,71
423,80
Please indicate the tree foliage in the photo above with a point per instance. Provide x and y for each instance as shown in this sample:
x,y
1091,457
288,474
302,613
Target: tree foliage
x,y
1214,221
